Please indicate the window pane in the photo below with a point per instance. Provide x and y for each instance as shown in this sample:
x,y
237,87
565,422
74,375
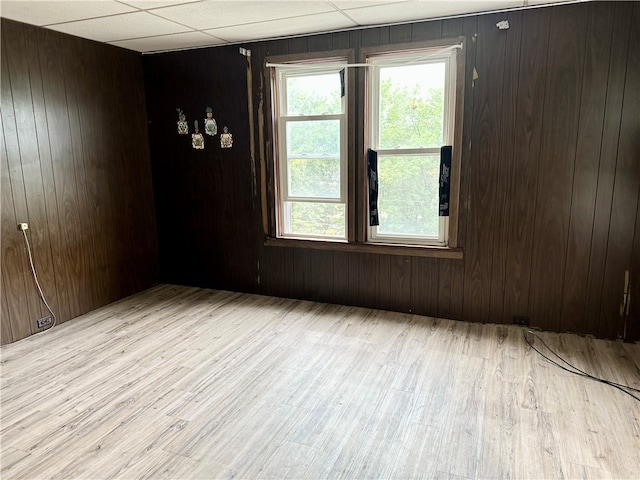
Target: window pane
x,y
408,195
314,177
313,138
314,95
412,106
323,219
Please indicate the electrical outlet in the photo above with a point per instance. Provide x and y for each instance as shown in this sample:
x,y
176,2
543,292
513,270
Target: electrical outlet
x,y
521,320
23,226
43,322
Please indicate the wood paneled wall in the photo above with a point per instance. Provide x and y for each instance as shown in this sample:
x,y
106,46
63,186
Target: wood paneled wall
x,y
75,167
207,220
550,181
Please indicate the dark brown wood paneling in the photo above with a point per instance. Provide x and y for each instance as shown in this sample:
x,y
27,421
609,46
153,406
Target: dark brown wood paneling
x,y
57,298
450,278
370,37
385,35
353,287
400,33
400,283
528,138
15,260
341,278
384,282
320,43
68,259
508,149
31,177
368,279
81,241
289,280
207,210
607,167
6,335
424,286
585,176
426,31
13,279
632,331
483,173
394,279
556,164
271,271
452,27
444,289
61,110
321,275
340,40
533,182
549,181
625,195
142,257
301,273
298,45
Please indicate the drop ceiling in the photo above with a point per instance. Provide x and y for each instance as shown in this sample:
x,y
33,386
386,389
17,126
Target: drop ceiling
x,y
158,25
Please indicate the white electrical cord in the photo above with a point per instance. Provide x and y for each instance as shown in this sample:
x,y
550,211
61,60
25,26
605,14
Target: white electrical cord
x,y
35,277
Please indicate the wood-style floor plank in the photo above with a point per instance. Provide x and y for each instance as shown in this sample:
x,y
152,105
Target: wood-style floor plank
x,y
182,382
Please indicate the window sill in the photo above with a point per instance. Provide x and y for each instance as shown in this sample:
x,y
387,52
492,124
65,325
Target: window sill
x,y
406,250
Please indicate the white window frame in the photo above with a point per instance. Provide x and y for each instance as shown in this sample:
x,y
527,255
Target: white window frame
x,y
281,120
430,55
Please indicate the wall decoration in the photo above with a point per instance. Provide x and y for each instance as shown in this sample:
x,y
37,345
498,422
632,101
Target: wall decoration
x,y
197,140
226,139
210,125
183,126
372,170
445,180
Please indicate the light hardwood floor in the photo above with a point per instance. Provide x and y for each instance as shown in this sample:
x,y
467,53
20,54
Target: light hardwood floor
x,y
183,383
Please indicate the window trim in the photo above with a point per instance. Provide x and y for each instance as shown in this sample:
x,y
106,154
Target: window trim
x,y
357,182
372,124
285,118
457,123
272,146
377,248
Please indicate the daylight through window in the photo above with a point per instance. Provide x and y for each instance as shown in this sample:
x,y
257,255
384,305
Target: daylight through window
x,y
411,113
312,159
408,106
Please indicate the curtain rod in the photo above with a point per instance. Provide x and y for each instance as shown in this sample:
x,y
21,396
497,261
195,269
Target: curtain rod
x,y
354,65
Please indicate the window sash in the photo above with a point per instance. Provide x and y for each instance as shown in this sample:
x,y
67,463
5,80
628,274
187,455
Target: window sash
x,y
377,236
283,161
285,228
449,111
439,240
283,195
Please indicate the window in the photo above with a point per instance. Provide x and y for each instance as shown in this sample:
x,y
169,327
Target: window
x,y
409,106
410,116
312,157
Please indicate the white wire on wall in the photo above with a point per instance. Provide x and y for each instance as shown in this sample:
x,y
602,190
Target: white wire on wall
x,y
35,278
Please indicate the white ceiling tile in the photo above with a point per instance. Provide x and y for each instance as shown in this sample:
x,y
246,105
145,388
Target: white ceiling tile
x,y
169,42
46,13
224,13
539,3
346,4
320,22
121,27
169,24
423,9
148,4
